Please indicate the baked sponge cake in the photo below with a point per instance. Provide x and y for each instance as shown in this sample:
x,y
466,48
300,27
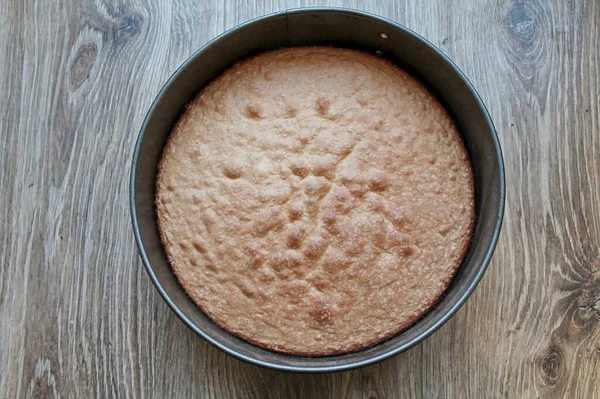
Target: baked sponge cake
x,y
315,201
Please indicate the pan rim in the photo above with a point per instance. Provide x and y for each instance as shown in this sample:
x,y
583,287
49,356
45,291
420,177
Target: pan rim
x,y
350,364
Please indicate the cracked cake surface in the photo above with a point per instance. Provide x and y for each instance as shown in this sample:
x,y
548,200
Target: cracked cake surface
x,y
315,201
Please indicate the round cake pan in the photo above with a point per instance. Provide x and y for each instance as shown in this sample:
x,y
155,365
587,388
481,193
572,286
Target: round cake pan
x,y
342,28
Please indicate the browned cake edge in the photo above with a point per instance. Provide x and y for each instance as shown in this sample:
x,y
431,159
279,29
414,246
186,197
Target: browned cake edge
x,y
463,243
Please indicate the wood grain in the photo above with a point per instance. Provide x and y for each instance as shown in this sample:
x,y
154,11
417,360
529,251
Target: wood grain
x,y
80,318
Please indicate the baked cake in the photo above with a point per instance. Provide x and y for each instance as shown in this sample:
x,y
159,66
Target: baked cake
x,y
315,201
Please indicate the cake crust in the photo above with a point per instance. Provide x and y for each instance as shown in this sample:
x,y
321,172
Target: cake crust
x,y
315,201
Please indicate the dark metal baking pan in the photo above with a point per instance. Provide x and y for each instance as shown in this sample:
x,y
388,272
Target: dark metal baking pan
x,y
321,26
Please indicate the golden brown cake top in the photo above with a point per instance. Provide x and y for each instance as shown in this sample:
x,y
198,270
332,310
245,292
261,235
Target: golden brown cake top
x,y
315,201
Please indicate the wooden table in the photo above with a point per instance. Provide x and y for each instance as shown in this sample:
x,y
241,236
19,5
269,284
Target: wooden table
x,y
79,317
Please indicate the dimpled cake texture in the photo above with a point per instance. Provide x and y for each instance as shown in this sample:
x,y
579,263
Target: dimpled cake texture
x,y
315,201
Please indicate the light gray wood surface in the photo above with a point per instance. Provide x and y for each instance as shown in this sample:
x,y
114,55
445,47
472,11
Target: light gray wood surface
x,y
80,318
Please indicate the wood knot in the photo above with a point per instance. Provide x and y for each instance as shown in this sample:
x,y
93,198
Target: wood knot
x,y
129,27
82,64
520,22
550,366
